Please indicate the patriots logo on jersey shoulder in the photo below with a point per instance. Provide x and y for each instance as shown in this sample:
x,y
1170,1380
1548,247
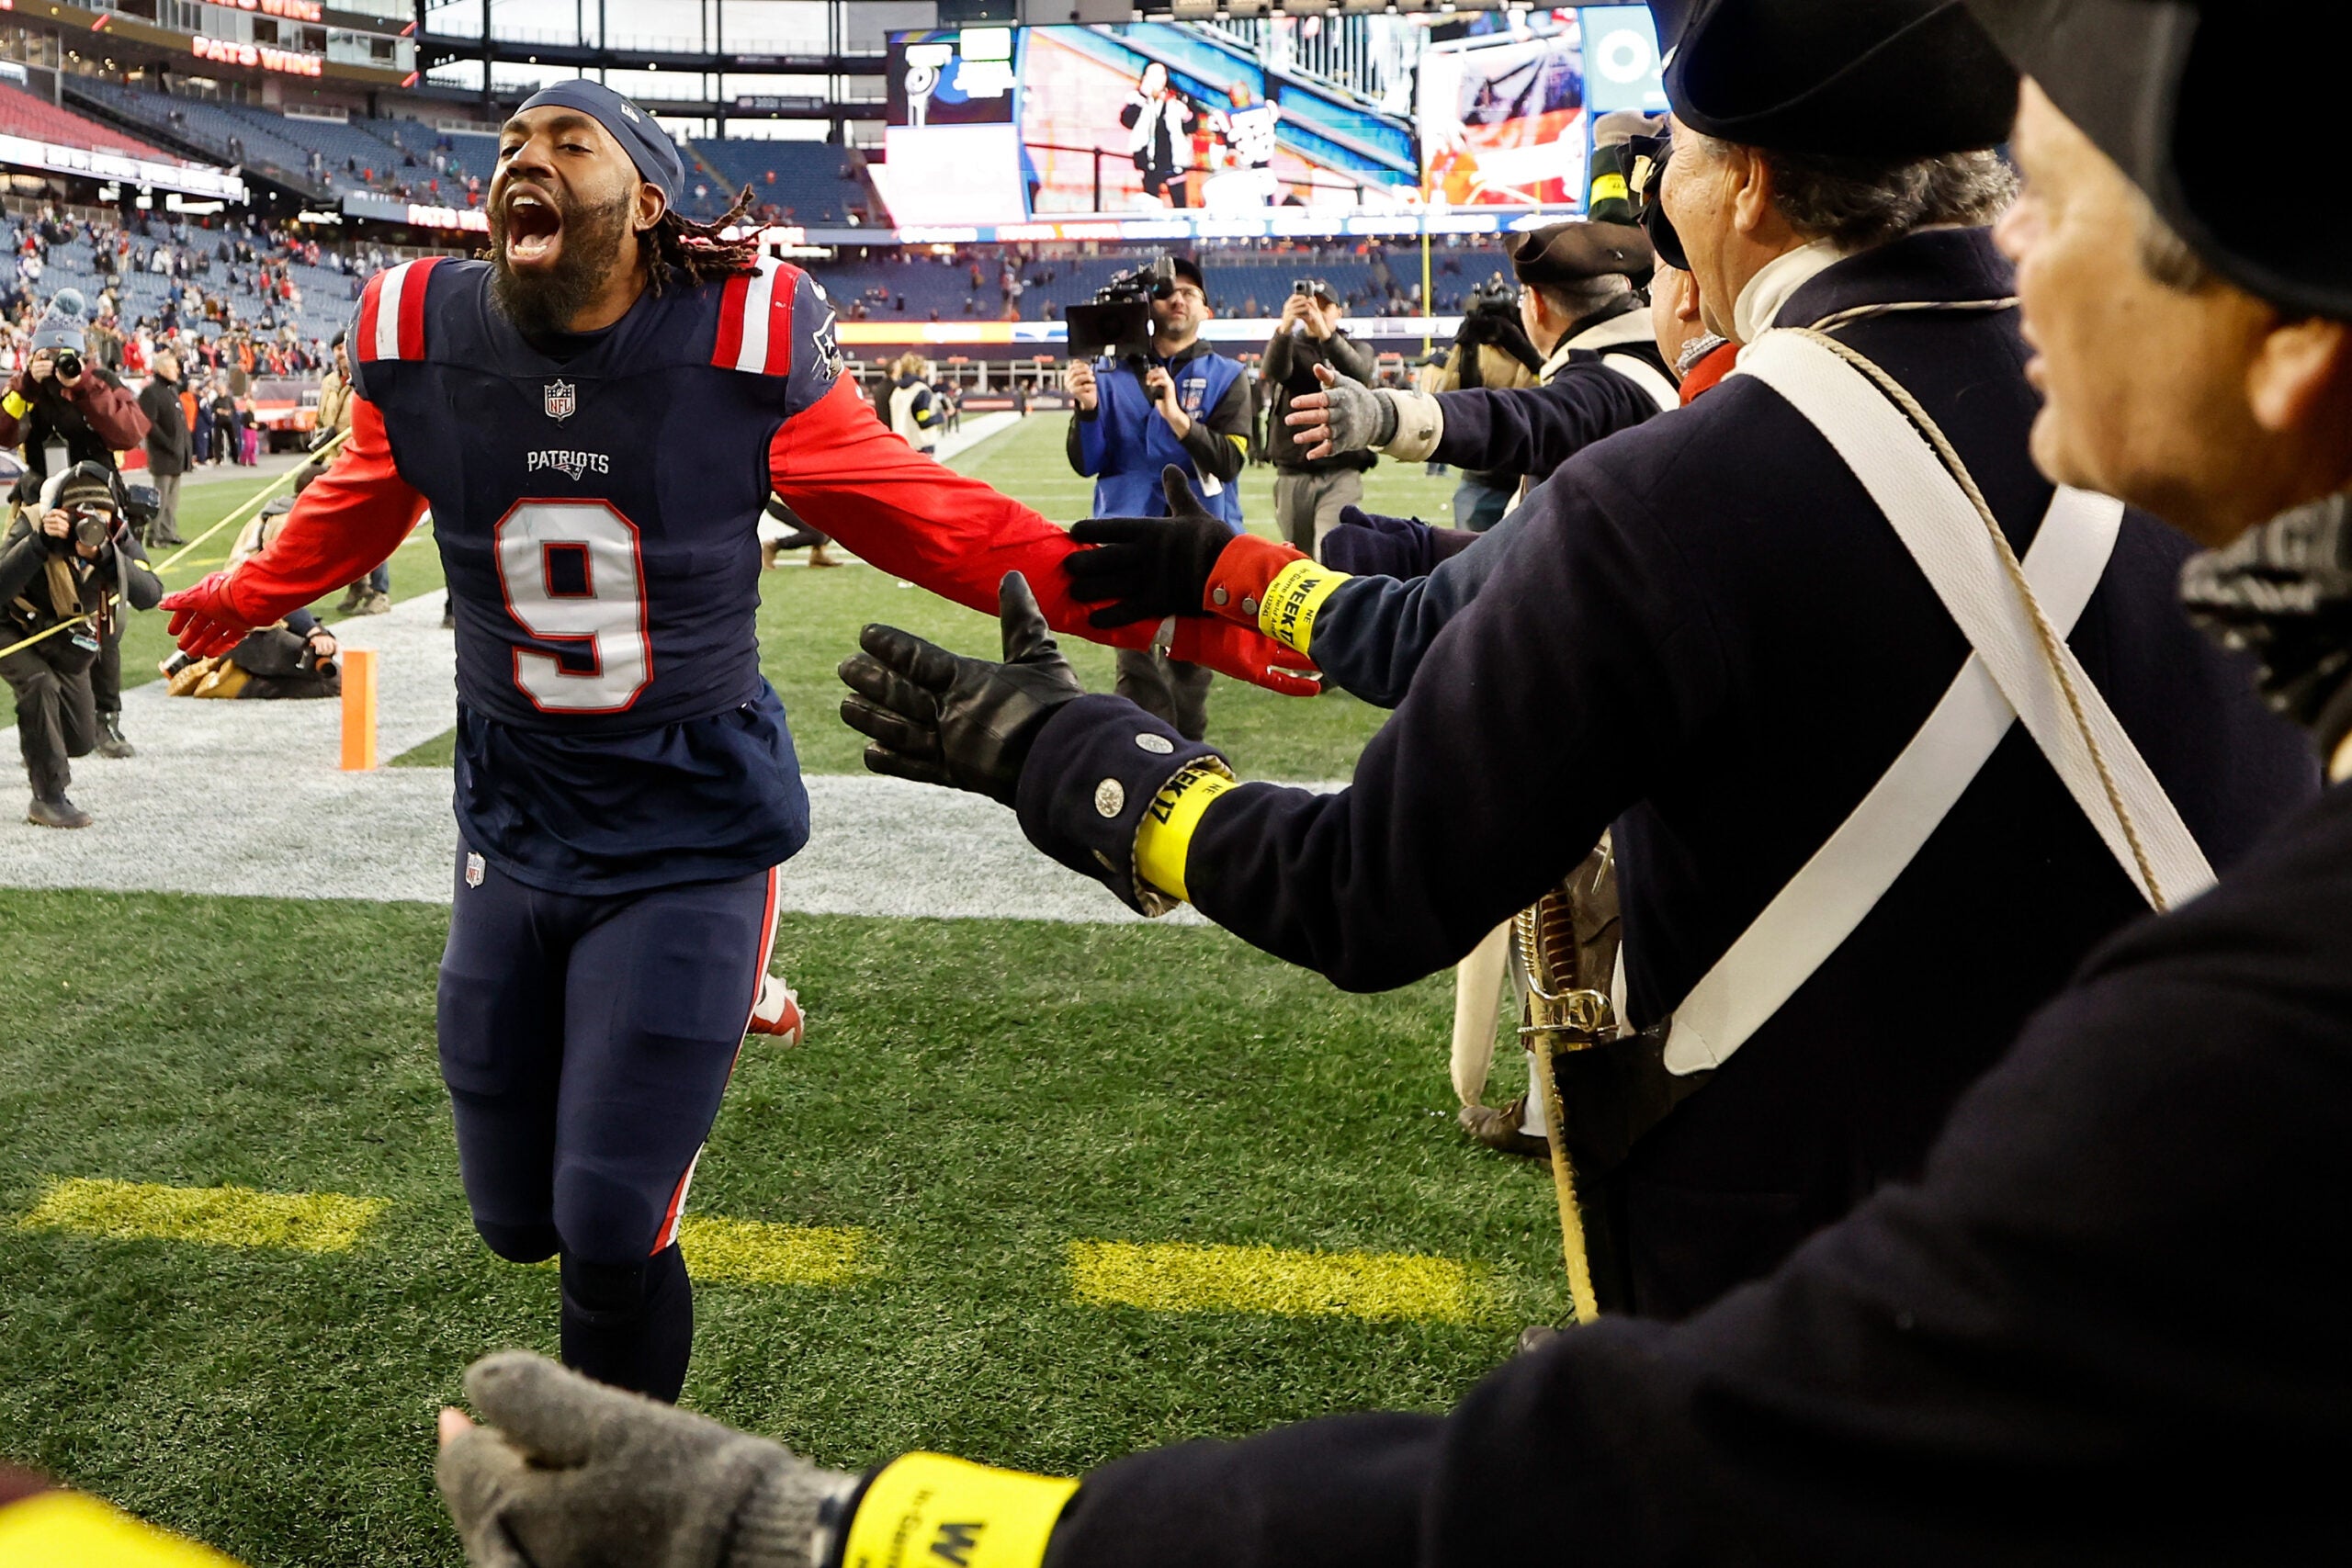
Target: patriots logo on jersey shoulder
x,y
826,342
559,399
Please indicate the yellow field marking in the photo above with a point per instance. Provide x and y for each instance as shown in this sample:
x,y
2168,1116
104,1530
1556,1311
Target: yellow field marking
x,y
220,1217
1175,1276
752,1252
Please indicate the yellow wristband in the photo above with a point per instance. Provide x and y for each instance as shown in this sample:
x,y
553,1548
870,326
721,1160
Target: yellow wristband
x,y
931,1511
66,1530
17,406
1164,837
1287,612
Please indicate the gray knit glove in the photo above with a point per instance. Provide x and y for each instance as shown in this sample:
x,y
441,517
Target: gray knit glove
x,y
570,1474
1344,416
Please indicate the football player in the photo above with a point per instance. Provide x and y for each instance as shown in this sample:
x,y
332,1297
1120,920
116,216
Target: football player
x,y
595,415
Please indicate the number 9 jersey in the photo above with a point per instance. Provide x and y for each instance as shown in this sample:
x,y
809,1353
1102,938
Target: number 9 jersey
x,y
596,500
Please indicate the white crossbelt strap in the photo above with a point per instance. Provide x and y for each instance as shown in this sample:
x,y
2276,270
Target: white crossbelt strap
x,y
1648,377
2007,676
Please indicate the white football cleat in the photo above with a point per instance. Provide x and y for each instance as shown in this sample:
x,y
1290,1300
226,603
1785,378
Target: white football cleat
x,y
777,1012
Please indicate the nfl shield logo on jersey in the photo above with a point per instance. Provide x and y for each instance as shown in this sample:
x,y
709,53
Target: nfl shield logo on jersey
x,y
473,869
557,399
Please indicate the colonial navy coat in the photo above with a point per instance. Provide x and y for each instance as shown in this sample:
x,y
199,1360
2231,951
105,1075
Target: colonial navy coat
x,y
1707,636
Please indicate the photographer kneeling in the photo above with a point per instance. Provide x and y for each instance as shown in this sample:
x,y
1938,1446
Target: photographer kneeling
x,y
64,409
69,564
296,658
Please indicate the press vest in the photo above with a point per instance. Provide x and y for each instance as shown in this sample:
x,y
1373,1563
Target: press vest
x,y
1127,443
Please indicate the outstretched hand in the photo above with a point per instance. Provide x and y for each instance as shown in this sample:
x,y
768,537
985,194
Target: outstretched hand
x,y
570,1474
204,621
1367,544
939,718
1345,416
1148,569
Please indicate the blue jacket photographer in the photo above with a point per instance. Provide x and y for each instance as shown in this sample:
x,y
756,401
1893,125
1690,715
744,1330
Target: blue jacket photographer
x,y
1180,405
1183,404
71,564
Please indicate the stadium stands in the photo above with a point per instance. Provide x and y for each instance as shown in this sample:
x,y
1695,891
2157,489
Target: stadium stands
x,y
809,183
388,157
1240,283
22,114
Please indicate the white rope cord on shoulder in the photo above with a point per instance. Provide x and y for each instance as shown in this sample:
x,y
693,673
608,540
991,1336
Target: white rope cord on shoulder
x,y
2045,634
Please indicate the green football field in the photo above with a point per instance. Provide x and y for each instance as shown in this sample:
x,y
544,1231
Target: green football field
x,y
1036,1193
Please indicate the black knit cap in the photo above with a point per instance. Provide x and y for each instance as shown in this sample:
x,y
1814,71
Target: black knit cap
x,y
2160,86
1873,78
1568,254
84,484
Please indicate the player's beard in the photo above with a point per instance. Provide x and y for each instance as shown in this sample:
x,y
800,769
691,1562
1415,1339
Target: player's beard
x,y
542,304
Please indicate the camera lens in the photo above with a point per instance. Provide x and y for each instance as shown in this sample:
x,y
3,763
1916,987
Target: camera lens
x,y
90,530
69,363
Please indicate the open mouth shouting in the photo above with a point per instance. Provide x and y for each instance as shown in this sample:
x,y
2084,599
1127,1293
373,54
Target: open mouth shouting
x,y
534,229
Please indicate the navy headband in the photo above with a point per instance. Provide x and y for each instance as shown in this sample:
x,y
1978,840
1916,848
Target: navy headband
x,y
646,145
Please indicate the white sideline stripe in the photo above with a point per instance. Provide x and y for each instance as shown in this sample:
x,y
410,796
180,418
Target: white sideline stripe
x,y
244,798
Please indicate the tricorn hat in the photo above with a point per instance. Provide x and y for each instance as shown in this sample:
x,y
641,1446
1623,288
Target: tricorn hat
x,y
2154,83
1887,78
1568,254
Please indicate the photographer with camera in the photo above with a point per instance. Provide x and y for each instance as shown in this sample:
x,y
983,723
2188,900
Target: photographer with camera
x,y
65,410
296,658
1151,406
1309,491
1491,350
69,566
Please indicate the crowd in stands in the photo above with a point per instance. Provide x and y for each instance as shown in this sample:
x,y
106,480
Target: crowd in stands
x,y
1017,284
811,183
236,304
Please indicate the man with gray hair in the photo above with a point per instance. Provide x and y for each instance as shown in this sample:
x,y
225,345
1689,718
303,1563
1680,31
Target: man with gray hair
x,y
2125,1234
1717,638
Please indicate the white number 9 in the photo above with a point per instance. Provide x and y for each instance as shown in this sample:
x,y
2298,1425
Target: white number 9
x,y
571,573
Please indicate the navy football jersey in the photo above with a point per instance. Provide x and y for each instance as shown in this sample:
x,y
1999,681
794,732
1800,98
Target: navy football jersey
x,y
597,516
597,501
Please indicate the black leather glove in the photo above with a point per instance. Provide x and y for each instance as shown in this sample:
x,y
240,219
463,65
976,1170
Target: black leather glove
x,y
939,718
1367,544
1147,568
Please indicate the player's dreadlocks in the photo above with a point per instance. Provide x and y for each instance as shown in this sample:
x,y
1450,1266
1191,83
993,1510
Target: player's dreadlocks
x,y
697,253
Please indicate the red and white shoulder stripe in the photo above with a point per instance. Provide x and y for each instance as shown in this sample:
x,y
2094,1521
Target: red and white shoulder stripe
x,y
392,313
755,319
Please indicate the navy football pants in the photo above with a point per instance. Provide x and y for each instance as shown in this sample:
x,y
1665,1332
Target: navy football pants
x,y
586,1042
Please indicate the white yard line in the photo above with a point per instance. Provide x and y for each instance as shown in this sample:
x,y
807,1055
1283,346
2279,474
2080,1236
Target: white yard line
x,y
245,797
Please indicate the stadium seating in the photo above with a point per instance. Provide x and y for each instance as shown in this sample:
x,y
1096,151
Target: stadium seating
x,y
22,114
809,183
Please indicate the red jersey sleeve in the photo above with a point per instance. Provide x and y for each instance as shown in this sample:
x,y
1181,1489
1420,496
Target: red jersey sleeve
x,y
350,519
850,477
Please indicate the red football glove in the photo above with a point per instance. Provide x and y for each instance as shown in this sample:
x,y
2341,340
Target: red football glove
x,y
205,622
1246,654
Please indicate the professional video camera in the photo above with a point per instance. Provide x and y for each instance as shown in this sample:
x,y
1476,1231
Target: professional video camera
x,y
1119,322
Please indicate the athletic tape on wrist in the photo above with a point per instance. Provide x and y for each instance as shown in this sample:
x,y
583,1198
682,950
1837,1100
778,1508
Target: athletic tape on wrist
x,y
928,1508
1164,837
1293,599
